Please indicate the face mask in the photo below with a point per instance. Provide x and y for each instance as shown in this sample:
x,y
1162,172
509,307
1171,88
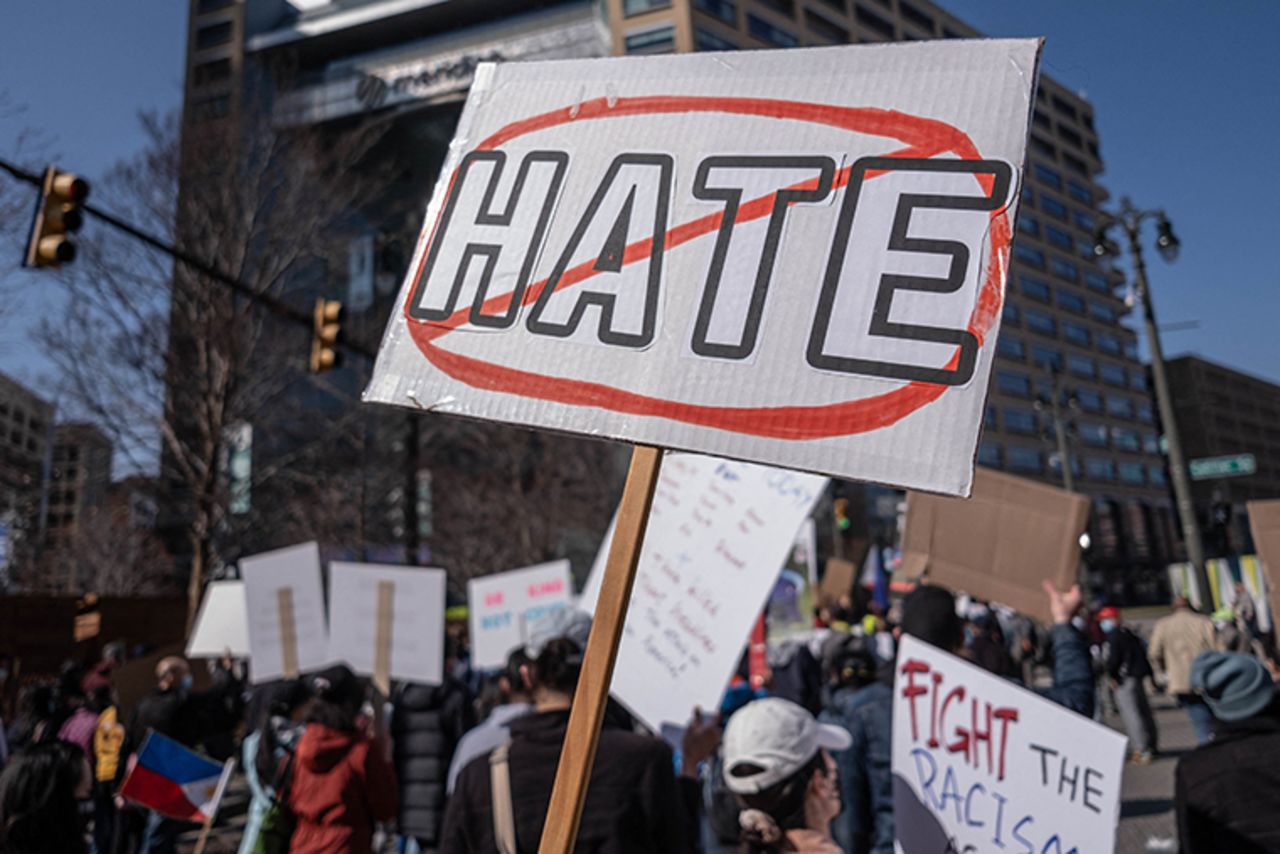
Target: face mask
x,y
185,684
1107,625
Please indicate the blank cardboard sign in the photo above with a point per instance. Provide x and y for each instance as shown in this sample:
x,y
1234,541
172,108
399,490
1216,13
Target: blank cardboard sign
x,y
1264,523
1000,543
222,624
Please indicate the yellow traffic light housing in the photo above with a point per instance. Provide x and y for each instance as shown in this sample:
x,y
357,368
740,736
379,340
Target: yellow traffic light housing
x,y
58,214
324,335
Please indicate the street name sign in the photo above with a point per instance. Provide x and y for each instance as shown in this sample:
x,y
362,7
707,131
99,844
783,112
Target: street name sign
x,y
1208,468
796,258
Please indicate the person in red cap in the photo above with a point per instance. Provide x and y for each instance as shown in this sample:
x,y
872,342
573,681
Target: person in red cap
x,y
1128,669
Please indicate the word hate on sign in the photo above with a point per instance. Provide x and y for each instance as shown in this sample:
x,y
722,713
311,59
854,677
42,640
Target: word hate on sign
x,y
689,252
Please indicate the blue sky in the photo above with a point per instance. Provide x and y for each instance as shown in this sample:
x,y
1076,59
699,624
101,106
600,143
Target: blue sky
x,y
1186,93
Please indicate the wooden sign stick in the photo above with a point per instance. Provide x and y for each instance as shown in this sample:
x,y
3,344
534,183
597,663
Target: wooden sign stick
x,y
580,740
288,633
382,639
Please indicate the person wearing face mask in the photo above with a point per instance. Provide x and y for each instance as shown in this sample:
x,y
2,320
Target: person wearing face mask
x,y
187,716
777,761
1128,668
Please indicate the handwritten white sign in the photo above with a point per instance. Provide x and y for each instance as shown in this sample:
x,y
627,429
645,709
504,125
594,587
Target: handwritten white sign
x,y
296,570
719,533
980,764
502,606
416,620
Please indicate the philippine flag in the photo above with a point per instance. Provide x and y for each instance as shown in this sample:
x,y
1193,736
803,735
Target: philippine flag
x,y
174,781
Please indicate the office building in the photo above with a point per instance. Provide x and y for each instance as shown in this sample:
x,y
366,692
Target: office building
x,y
26,426
79,478
408,64
1224,413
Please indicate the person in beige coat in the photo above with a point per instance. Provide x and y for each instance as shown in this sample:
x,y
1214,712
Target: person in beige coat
x,y
1175,642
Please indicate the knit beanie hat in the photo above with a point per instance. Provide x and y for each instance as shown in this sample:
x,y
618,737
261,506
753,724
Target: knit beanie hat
x,y
1235,686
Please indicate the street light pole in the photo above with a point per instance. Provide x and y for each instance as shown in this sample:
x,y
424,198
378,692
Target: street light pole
x,y
1131,219
1060,430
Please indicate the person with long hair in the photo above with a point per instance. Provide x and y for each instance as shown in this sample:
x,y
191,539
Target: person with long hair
x,y
275,736
343,782
41,792
777,761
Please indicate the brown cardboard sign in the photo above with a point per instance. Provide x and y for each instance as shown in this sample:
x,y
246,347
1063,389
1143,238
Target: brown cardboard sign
x,y
1000,543
1264,523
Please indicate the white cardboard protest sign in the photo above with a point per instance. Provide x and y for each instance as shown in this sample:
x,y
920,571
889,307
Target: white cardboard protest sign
x,y
501,607
719,534
795,257
395,612
285,603
980,764
222,624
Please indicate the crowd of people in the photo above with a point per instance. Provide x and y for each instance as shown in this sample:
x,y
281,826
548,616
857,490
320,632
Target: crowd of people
x,y
798,761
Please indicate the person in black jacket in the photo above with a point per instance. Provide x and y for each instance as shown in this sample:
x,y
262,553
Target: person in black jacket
x,y
1128,669
1226,790
633,805
427,722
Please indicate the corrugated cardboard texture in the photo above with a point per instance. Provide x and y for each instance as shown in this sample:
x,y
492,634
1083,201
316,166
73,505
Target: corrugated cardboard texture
x,y
1000,543
1264,522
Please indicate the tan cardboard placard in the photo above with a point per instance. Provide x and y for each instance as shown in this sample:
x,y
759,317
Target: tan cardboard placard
x,y
1264,523
837,580
1000,543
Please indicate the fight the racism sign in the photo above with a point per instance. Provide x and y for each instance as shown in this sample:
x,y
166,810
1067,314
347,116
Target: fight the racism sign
x,y
981,764
796,257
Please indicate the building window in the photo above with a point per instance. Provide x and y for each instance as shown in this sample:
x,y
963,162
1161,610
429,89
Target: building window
x,y
639,7
1021,421
1046,357
661,40
824,28
1093,435
1043,146
1089,400
1064,268
1079,192
1013,383
784,7
989,454
725,10
1100,468
989,417
1075,333
915,16
1028,224
1075,164
1011,347
1042,322
1029,255
1150,443
1095,281
767,32
204,7
1058,237
1028,195
1065,107
1132,473
706,40
1119,407
1127,440
873,22
1102,312
208,109
1084,221
1041,120
1155,474
213,35
1080,365
1071,302
211,72
1036,289
1145,413
1109,344
1114,375
1026,459
1053,207
1048,176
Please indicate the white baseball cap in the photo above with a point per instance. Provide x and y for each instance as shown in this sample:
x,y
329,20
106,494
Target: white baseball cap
x,y
768,740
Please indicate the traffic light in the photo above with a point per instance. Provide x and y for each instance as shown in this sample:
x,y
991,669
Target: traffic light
x,y
324,335
58,214
841,507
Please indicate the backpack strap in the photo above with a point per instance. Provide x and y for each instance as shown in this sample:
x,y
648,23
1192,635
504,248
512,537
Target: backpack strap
x,y
504,817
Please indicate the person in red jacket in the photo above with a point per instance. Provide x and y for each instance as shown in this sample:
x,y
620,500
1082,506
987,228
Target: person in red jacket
x,y
343,782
